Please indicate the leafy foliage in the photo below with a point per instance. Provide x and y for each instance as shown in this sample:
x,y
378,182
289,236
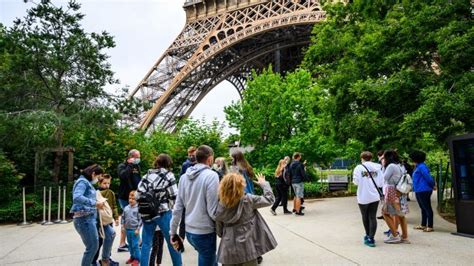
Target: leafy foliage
x,y
395,71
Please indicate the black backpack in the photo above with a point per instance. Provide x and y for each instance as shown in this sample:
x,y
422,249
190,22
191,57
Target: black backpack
x,y
149,201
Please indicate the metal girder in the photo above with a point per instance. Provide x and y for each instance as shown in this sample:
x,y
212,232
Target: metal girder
x,y
225,45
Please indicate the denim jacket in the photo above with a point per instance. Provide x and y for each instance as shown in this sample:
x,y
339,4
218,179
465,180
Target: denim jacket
x,y
83,196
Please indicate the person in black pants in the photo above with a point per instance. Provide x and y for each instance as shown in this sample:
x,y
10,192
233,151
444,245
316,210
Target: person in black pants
x,y
281,187
368,178
156,253
423,186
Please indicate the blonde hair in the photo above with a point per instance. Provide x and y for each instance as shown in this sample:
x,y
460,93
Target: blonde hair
x,y
231,189
281,165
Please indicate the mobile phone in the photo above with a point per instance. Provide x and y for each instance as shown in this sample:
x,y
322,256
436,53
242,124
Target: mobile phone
x,y
176,238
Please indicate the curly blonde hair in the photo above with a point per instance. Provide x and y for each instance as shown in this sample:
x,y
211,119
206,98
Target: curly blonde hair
x,y
231,189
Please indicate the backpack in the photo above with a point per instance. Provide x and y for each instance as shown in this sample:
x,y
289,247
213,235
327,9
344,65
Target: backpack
x,y
150,200
106,215
405,184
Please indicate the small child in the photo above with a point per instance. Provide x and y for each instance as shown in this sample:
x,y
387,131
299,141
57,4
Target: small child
x,y
109,232
132,222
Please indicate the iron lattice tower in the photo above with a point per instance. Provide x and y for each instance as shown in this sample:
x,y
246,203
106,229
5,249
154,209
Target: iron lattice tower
x,y
224,40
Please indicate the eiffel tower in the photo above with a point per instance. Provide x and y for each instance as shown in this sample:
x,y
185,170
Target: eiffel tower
x,y
224,40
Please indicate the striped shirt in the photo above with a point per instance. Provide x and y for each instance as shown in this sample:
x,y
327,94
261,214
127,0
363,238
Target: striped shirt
x,y
163,183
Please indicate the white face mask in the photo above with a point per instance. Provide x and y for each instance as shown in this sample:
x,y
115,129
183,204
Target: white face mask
x,y
136,161
94,181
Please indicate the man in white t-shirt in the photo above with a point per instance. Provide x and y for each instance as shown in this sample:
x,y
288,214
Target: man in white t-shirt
x,y
368,178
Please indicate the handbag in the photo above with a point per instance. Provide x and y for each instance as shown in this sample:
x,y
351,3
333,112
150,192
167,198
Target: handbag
x,y
405,184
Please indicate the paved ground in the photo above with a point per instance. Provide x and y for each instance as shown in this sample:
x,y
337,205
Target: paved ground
x,y
331,232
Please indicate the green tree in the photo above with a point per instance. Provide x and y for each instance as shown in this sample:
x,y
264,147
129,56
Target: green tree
x,y
281,115
395,71
52,81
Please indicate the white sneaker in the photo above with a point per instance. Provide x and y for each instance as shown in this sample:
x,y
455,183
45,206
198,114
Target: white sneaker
x,y
393,239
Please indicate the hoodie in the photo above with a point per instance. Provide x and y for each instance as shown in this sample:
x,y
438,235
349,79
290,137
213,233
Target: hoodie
x,y
197,193
366,191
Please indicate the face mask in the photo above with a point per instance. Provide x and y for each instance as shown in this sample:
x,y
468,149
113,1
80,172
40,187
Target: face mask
x,y
136,161
94,181
192,158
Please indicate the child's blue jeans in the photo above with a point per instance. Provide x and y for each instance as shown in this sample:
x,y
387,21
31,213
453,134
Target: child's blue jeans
x,y
133,244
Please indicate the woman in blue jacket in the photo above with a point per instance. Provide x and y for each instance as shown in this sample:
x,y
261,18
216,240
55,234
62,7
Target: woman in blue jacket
x,y
84,207
423,185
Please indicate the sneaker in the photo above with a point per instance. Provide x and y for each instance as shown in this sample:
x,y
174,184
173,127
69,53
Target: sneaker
x,y
370,242
393,239
123,248
299,213
273,211
135,262
130,260
287,212
259,259
302,207
366,238
387,233
294,210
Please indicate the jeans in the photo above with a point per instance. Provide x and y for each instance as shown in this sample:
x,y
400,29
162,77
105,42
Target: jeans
x,y
369,217
424,200
282,196
87,229
133,244
163,221
109,234
205,246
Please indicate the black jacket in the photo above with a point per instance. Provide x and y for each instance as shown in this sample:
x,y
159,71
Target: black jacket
x,y
297,172
130,176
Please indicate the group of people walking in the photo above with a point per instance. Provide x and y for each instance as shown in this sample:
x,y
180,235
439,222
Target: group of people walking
x,y
389,182
211,200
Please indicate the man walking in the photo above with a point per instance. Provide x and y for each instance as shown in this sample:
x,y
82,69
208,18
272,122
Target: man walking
x,y
298,175
129,174
197,194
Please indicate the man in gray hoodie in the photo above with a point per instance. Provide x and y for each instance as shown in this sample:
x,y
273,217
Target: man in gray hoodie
x,y
197,194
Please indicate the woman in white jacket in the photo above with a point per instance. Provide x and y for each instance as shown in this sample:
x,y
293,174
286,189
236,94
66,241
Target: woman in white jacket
x,y
368,178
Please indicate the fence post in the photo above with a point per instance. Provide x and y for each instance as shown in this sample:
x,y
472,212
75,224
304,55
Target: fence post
x,y
64,221
49,209
59,206
24,210
439,182
44,206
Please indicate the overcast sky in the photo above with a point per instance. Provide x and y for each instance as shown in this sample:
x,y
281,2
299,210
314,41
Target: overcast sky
x,y
142,30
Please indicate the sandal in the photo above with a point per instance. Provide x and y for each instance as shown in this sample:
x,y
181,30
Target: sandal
x,y
419,227
428,230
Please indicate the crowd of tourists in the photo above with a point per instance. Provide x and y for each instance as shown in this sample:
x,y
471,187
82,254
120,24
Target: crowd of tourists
x,y
214,200
211,200
389,182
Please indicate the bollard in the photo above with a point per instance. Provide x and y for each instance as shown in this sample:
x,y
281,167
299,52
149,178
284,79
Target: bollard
x,y
59,206
44,206
64,221
49,209
24,210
